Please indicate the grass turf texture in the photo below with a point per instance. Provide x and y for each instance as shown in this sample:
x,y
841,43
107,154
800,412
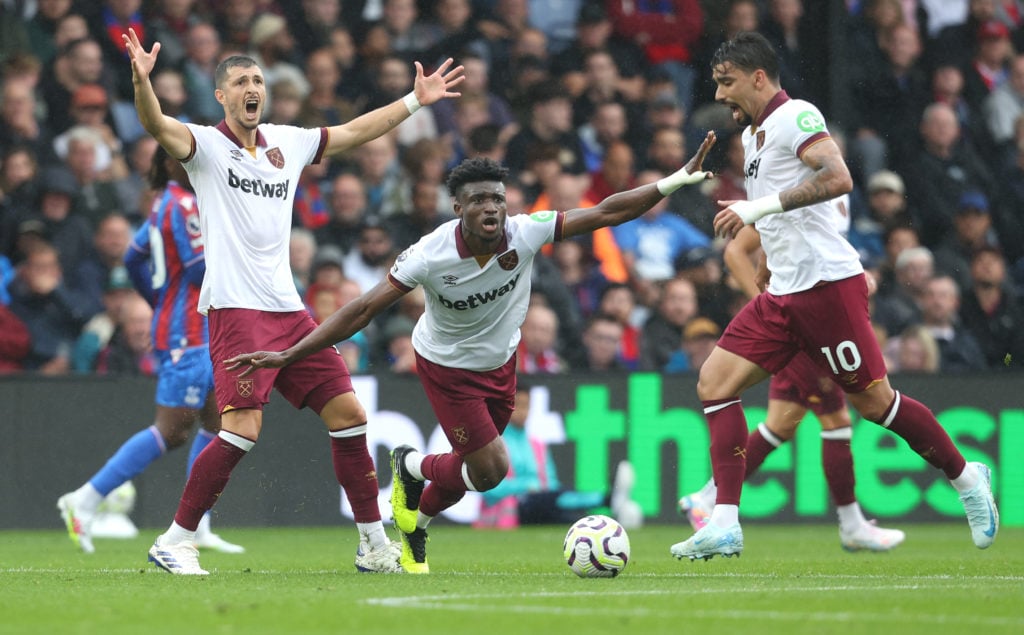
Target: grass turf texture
x,y
790,579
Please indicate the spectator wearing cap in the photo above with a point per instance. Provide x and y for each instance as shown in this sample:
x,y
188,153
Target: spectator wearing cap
x,y
51,313
669,34
989,67
272,46
89,109
993,313
972,230
98,331
550,122
718,300
886,205
65,227
700,335
1005,104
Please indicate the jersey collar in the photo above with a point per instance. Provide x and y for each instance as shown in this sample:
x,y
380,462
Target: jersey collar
x,y
780,98
463,248
261,141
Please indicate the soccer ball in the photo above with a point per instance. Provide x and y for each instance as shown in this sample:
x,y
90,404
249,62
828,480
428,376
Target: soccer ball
x,y
596,547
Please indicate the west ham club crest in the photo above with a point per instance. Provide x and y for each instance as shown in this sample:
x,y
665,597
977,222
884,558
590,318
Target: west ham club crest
x,y
760,140
508,260
275,157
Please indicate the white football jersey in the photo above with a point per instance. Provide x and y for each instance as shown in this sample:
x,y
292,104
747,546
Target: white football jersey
x,y
245,209
473,312
803,246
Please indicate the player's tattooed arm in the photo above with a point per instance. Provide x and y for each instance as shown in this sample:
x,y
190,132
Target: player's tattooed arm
x,y
831,177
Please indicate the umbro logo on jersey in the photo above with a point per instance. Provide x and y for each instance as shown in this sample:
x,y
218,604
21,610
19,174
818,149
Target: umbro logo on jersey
x,y
236,154
479,299
449,280
257,186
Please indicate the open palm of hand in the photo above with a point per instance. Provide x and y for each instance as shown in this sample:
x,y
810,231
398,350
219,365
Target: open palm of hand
x,y
437,86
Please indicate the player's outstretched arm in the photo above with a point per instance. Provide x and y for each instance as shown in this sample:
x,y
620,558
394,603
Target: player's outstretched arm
x,y
168,131
427,90
831,179
341,325
625,206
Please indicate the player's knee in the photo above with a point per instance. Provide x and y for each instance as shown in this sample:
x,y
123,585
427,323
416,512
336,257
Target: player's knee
x,y
489,467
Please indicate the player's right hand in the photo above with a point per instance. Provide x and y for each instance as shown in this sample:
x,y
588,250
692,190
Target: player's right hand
x,y
252,361
142,62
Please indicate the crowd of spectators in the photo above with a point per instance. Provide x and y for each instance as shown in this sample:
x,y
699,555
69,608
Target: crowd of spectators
x,y
580,99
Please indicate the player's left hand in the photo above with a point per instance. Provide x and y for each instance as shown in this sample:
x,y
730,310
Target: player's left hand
x,y
251,361
727,222
436,86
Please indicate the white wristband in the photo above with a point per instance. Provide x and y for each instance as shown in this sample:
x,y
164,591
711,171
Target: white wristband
x,y
411,102
751,211
679,178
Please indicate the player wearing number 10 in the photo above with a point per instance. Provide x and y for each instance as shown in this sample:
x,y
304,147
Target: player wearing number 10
x,y
816,301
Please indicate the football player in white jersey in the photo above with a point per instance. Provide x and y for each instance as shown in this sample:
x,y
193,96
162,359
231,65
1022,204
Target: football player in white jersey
x,y
475,272
245,174
798,388
817,301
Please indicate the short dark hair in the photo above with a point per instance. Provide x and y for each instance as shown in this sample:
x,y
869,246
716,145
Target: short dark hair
x,y
748,51
475,170
233,61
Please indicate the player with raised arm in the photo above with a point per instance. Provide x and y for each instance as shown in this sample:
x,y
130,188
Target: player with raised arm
x,y
245,174
817,301
475,272
797,388
165,262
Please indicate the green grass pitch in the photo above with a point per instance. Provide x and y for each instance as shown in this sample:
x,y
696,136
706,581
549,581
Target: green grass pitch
x,y
790,579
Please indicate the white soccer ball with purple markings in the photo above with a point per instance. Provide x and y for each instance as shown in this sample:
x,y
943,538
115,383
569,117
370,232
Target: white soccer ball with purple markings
x,y
596,547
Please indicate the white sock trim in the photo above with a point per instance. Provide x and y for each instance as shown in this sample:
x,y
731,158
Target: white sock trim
x,y
839,434
241,443
768,436
892,412
721,406
465,478
348,433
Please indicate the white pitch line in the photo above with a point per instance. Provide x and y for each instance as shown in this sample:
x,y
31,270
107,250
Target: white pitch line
x,y
470,602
